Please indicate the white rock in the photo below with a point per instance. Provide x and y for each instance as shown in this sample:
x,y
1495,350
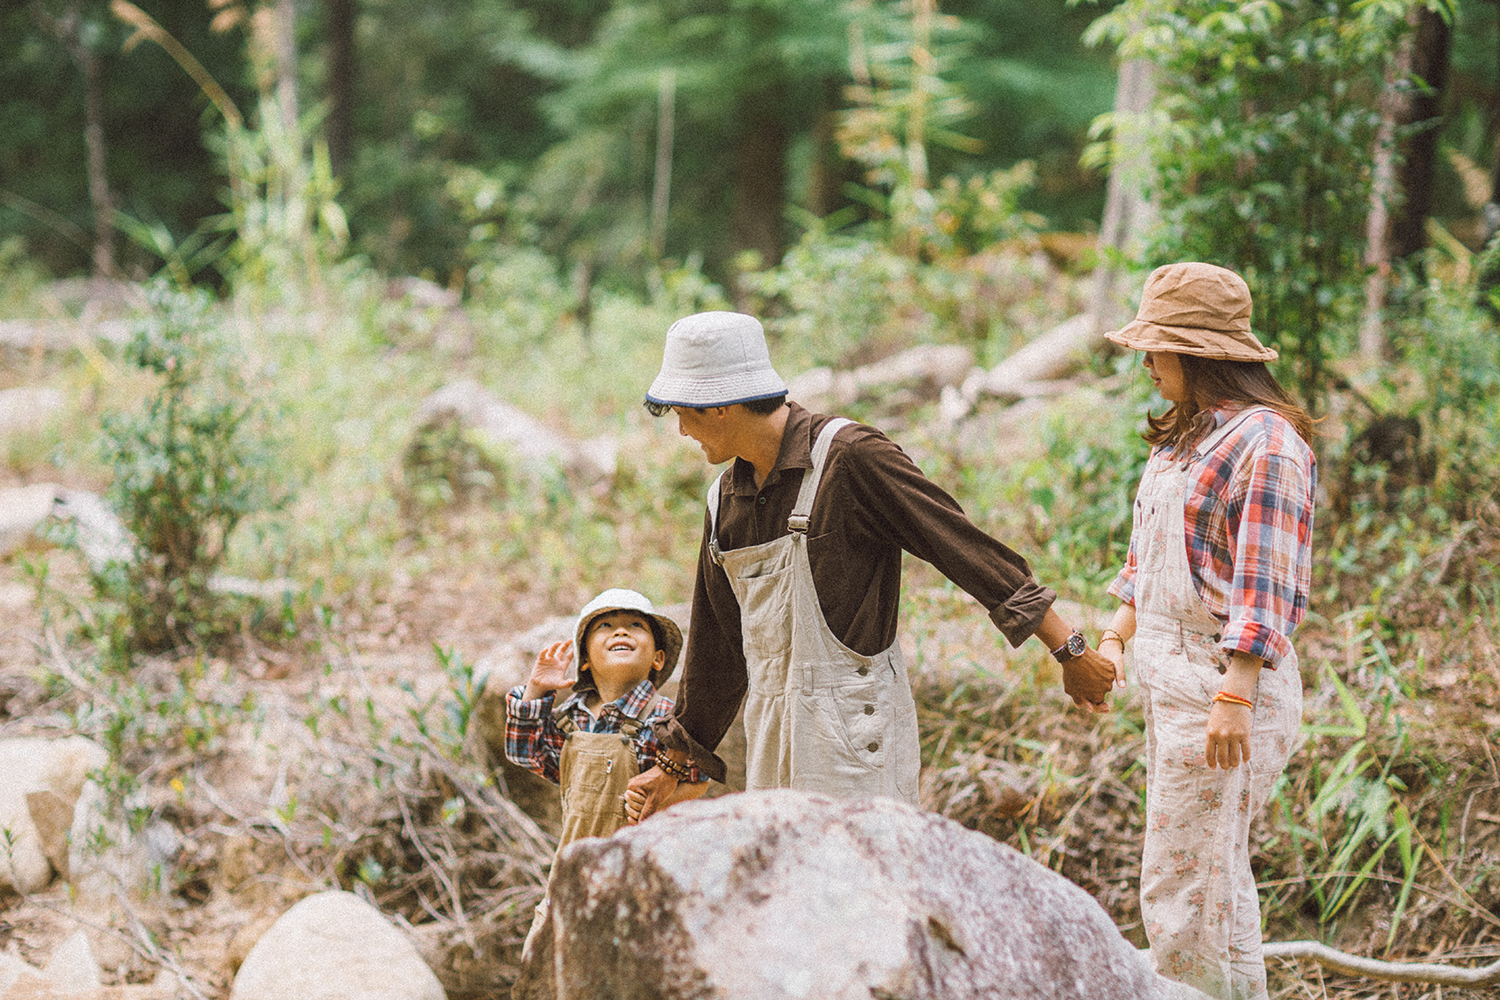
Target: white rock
x,y
12,969
22,511
28,408
72,968
784,894
30,765
334,946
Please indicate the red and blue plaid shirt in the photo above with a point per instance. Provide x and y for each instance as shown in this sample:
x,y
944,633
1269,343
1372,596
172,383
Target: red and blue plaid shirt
x,y
1249,520
534,741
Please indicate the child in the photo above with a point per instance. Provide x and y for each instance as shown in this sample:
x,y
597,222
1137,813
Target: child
x,y
600,736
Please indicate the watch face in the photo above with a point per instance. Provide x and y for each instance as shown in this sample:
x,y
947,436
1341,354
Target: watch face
x,y
1076,645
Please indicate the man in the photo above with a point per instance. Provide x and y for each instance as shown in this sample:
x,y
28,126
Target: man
x,y
799,578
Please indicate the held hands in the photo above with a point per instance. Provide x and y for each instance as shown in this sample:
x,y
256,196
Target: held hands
x,y
636,801
550,673
1088,677
649,792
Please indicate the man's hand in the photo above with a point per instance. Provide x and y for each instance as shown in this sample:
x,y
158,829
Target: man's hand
x,y
635,798
550,672
1087,679
649,792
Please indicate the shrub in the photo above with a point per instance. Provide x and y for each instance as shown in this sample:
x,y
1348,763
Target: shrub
x,y
187,468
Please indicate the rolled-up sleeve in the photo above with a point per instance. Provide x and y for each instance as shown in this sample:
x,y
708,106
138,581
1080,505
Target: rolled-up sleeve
x,y
1269,521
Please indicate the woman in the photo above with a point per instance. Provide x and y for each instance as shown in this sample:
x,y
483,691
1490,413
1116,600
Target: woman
x,y
1216,580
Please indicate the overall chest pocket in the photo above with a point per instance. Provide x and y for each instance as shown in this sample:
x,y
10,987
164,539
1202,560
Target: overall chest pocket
x,y
588,776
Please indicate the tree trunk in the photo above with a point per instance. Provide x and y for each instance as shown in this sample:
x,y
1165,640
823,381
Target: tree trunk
x,y
93,137
1126,210
68,30
1419,104
1404,163
286,63
760,176
339,25
830,171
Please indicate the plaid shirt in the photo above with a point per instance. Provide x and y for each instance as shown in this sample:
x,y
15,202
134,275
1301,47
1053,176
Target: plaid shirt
x,y
1249,519
534,741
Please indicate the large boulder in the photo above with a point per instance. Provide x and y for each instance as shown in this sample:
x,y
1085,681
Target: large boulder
x,y
788,894
507,436
334,946
40,782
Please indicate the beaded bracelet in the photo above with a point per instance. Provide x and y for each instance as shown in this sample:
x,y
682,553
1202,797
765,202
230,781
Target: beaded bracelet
x,y
667,764
1234,699
1110,633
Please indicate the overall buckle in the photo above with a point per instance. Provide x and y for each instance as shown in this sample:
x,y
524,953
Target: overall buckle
x,y
798,523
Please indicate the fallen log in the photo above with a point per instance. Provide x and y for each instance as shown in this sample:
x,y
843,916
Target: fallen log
x,y
1391,972
920,373
50,335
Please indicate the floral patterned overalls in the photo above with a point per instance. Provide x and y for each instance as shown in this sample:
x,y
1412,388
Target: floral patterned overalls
x,y
1198,897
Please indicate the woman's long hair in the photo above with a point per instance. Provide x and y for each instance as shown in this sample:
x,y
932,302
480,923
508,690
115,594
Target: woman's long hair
x,y
1215,380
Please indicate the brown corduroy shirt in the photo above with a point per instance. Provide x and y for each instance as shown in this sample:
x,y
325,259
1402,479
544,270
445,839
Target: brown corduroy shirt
x,y
873,503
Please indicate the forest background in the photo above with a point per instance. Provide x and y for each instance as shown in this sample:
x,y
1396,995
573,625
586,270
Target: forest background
x,y
307,217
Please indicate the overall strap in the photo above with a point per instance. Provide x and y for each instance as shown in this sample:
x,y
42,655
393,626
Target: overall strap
x,y
714,551
1211,442
631,725
802,510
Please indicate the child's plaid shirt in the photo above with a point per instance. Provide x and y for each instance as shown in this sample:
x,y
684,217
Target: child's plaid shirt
x,y
1249,520
534,741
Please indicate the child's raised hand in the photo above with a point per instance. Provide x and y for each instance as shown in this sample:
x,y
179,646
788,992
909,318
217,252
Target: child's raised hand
x,y
551,670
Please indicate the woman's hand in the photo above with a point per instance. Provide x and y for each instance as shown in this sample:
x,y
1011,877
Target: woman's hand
x,y
635,799
1228,737
1113,650
1229,734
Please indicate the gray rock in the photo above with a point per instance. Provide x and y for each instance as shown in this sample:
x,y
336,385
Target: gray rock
x,y
535,446
787,894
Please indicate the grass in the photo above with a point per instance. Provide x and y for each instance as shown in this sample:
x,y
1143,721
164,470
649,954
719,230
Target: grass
x,y
1382,839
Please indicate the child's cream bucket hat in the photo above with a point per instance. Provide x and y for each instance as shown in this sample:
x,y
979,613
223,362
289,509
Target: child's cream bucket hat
x,y
669,636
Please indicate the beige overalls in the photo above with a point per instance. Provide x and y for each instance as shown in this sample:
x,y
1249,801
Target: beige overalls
x,y
595,769
1198,897
818,715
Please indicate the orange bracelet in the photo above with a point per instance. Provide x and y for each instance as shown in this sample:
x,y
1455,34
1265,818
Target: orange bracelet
x,y
1234,699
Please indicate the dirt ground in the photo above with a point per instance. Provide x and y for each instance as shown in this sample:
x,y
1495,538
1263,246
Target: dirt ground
x,y
240,856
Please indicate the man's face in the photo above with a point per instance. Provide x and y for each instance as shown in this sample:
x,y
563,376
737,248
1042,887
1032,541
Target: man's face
x,y
708,428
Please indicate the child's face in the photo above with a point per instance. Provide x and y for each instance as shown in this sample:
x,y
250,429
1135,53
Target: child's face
x,y
621,648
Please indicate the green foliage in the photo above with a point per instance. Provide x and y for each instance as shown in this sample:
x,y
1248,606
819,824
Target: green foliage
x,y
187,468
1262,138
159,168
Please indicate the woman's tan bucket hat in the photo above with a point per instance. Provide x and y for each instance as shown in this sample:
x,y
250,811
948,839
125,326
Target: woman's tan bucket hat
x,y
1194,308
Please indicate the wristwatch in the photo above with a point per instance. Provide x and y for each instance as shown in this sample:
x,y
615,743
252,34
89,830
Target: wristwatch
x,y
1073,647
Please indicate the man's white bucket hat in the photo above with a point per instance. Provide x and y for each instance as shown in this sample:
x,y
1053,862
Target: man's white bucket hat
x,y
715,359
668,635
